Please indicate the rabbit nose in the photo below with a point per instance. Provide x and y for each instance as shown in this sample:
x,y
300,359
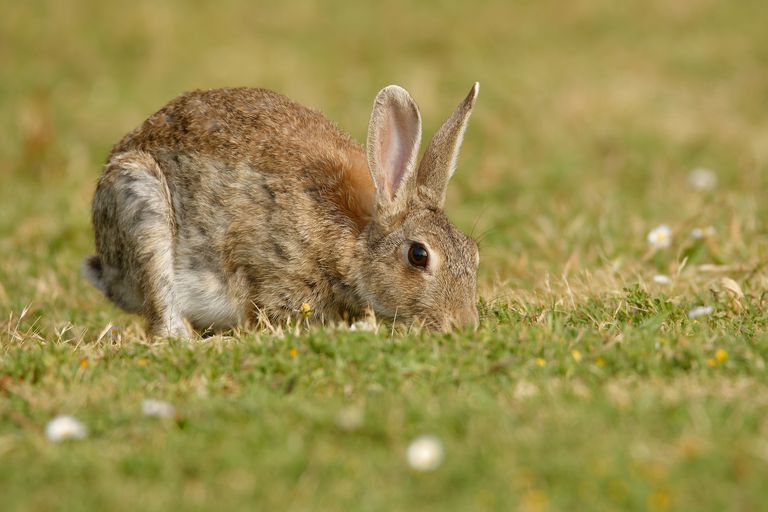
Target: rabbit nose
x,y
466,317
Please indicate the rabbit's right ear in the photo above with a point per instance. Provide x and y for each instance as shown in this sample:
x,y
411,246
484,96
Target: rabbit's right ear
x,y
394,135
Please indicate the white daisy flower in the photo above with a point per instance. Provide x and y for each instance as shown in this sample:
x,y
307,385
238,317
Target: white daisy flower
x,y
157,409
706,232
64,428
425,453
700,311
702,179
350,418
660,237
661,279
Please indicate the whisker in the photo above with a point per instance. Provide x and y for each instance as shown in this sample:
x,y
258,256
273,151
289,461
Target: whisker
x,y
484,234
480,216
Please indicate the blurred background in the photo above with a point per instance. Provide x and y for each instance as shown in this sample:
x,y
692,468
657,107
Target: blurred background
x,y
591,116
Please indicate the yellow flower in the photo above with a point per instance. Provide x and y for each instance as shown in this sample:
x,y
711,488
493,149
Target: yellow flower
x,y
142,362
84,363
541,362
576,355
305,310
600,361
711,363
535,500
721,356
659,500
294,352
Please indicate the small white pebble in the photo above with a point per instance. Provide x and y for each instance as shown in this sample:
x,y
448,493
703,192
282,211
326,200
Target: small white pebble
x,y
660,237
661,279
700,311
362,325
425,453
157,409
65,428
702,179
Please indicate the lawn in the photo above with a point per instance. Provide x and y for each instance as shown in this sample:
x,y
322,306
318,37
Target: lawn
x,y
608,372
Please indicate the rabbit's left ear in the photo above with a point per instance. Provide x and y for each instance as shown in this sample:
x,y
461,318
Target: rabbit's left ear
x,y
394,135
439,161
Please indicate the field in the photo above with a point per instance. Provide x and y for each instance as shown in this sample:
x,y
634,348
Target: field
x,y
591,384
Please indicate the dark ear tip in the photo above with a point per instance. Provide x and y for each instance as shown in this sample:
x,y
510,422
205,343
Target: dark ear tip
x,y
473,92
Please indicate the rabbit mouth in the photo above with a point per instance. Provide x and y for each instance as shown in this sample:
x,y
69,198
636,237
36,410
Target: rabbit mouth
x,y
461,319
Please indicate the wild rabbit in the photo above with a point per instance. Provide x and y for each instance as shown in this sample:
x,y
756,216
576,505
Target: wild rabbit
x,y
229,204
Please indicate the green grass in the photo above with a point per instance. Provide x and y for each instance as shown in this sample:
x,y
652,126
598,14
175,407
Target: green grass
x,y
587,386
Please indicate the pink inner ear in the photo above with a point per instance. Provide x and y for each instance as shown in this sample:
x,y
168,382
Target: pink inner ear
x,y
398,140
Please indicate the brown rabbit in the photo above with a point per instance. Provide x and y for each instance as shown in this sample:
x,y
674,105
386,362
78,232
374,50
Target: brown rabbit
x,y
234,203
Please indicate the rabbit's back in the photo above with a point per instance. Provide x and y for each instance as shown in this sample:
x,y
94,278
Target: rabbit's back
x,y
259,186
236,137
241,125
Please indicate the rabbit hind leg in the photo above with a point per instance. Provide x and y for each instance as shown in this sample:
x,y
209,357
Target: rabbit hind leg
x,y
134,225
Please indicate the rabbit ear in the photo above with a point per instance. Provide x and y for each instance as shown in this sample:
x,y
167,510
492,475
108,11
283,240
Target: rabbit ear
x,y
394,135
439,161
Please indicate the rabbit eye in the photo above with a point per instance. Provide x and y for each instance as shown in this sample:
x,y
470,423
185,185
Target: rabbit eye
x,y
418,256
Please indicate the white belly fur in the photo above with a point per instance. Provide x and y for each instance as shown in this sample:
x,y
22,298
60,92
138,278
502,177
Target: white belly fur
x,y
204,301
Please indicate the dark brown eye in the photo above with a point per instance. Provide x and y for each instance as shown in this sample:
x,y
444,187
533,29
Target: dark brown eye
x,y
418,256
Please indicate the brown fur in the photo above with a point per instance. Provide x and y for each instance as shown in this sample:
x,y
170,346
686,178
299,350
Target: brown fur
x,y
233,203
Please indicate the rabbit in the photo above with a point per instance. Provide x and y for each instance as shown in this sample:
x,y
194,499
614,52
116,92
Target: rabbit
x,y
229,206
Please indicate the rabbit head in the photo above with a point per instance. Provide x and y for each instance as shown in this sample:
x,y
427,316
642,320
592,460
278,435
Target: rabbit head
x,y
415,264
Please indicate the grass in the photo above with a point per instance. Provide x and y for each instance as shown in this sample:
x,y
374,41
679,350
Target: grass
x,y
587,386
